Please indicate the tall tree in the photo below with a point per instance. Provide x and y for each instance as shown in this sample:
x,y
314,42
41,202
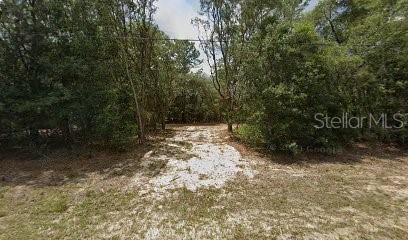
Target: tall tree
x,y
219,28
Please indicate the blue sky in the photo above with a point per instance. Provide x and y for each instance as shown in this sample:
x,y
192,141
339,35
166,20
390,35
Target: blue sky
x,y
174,17
312,4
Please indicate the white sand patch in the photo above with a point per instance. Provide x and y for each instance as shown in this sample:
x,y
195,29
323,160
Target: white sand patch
x,y
152,233
211,165
197,134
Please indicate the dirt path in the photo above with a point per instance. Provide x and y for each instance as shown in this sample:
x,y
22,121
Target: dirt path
x,y
195,157
195,183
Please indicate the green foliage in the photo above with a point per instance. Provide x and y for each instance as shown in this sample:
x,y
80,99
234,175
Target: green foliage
x,y
93,72
115,125
195,100
334,60
70,73
300,81
53,204
251,134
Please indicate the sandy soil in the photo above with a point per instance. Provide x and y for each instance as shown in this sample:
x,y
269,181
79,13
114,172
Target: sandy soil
x,y
194,182
202,160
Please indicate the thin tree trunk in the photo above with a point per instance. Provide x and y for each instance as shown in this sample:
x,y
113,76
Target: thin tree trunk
x,y
138,112
336,36
142,137
229,127
163,124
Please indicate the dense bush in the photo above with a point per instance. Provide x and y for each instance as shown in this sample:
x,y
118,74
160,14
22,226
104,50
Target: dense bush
x,y
195,101
304,68
302,79
98,72
70,74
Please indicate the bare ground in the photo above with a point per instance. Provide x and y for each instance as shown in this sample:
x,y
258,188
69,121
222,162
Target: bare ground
x,y
195,183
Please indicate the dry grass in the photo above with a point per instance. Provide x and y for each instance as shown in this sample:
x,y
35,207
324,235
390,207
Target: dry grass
x,y
362,194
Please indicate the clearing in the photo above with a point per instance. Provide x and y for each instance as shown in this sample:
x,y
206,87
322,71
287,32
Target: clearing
x,y
194,182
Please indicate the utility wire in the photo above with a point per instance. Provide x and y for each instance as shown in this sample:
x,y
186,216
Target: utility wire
x,y
195,40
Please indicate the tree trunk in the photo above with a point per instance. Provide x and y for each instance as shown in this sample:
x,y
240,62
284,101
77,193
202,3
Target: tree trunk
x,y
142,137
230,113
229,127
68,135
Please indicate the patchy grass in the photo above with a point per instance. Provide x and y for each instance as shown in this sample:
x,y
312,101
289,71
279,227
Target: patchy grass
x,y
61,213
52,203
361,194
3,205
181,151
3,190
195,207
186,145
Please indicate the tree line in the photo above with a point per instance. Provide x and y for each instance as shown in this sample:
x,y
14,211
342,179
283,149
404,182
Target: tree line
x,y
90,72
101,72
275,66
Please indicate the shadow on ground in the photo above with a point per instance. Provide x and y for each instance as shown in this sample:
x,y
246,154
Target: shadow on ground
x,y
350,155
68,166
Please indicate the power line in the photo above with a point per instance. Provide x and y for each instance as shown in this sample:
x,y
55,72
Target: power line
x,y
198,40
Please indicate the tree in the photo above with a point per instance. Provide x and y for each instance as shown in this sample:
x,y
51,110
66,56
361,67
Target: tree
x,y
219,26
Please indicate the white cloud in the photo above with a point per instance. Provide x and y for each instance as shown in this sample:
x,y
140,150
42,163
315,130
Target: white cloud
x,y
312,5
174,18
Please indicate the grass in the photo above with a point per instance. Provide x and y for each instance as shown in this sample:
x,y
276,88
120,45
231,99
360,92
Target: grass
x,y
52,203
179,152
362,198
325,202
194,207
57,213
170,150
3,190
3,204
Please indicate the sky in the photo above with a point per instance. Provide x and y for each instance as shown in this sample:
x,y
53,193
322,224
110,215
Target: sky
x,y
312,5
174,18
